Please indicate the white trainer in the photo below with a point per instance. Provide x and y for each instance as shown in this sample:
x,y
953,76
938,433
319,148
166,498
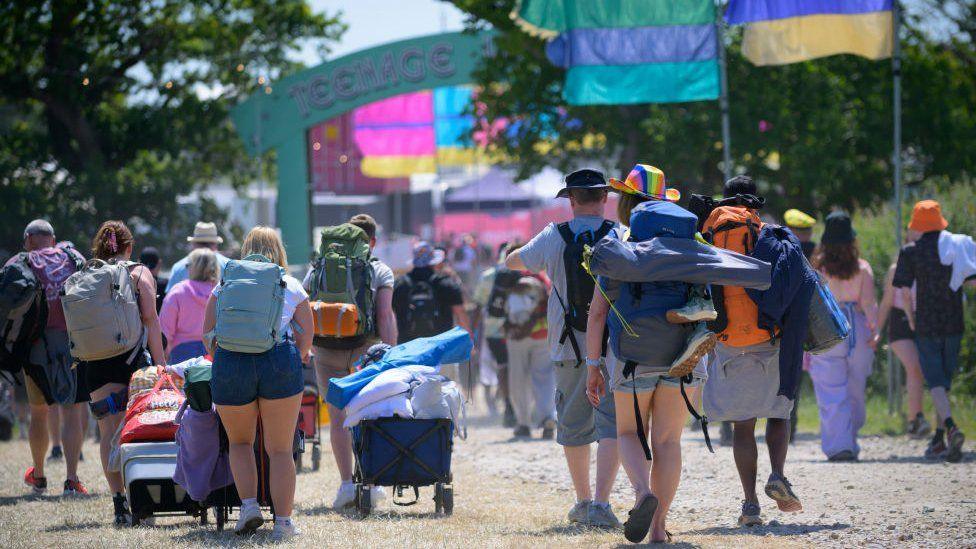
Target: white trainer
x,y
249,520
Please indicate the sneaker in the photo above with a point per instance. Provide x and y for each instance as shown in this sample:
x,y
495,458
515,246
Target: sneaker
x,y
283,532
522,432
39,484
56,454
74,488
600,515
579,513
750,514
937,448
345,497
122,515
700,343
954,452
548,429
639,519
699,307
781,491
249,520
918,427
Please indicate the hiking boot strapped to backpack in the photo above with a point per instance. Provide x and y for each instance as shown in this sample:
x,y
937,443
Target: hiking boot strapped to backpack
x,y
23,311
101,311
579,284
249,305
342,298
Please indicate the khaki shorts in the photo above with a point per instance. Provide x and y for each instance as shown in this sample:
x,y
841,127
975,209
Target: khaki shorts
x,y
330,363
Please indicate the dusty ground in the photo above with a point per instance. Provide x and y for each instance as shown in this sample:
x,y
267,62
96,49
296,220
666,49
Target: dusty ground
x,y
513,494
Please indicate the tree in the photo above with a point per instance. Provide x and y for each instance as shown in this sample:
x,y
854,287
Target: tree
x,y
815,134
110,109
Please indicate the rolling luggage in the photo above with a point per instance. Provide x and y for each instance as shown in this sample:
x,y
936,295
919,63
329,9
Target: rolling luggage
x,y
147,473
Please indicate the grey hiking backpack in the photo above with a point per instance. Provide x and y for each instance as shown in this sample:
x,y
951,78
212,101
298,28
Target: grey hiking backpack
x,y
101,310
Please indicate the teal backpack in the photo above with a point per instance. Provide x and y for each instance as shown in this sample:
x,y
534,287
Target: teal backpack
x,y
249,304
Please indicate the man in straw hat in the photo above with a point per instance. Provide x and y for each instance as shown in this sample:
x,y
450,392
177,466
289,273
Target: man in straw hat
x,y
204,236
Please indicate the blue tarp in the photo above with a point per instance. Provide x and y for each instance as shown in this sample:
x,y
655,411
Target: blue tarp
x,y
448,348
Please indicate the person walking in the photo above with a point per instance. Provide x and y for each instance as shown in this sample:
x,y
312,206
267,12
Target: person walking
x,y
840,374
112,246
337,358
151,259
937,321
269,384
53,384
204,235
802,226
893,312
557,251
181,316
490,295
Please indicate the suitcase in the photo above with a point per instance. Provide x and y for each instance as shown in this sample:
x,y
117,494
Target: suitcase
x,y
147,473
404,453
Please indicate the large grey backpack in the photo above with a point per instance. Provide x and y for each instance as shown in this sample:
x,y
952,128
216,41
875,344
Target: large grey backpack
x,y
101,309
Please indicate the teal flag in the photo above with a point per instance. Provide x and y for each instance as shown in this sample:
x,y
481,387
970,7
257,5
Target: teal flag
x,y
628,51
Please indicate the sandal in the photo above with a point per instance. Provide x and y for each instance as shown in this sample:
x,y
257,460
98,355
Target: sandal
x,y
639,520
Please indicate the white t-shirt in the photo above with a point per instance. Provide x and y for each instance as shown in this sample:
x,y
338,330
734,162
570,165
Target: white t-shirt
x,y
294,295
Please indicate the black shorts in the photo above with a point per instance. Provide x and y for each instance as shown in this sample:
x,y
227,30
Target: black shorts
x,y
116,369
898,327
499,350
38,378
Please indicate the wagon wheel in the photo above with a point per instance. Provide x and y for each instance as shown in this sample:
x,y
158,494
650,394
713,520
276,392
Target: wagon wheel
x,y
316,457
363,500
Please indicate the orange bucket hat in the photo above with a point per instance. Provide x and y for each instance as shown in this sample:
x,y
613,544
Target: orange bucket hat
x,y
927,217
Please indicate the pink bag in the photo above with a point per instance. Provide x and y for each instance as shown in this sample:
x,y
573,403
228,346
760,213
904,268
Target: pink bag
x,y
151,417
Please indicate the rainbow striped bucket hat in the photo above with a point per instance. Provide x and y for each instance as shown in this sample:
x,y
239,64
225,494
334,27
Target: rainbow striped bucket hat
x,y
647,181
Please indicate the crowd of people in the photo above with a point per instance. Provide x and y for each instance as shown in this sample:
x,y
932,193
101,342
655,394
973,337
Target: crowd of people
x,y
577,336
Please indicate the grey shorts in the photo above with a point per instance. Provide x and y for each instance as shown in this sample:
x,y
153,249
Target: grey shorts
x,y
648,382
578,423
330,363
742,384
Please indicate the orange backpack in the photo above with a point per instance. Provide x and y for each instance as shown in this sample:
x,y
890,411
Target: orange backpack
x,y
735,228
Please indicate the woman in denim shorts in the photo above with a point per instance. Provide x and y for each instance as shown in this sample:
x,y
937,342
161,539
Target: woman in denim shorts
x,y
269,384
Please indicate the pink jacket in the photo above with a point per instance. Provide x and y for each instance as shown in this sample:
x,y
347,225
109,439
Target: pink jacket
x,y
181,317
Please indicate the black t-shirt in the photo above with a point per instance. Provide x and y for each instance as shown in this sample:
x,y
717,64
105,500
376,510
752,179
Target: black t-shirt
x,y
447,295
938,309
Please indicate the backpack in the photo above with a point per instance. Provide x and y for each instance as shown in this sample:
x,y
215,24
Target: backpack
x,y
422,314
703,205
525,306
52,266
735,228
579,284
101,311
505,280
249,305
23,311
342,300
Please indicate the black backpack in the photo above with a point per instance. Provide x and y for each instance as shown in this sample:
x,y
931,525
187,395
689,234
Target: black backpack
x,y
505,281
575,302
23,311
422,311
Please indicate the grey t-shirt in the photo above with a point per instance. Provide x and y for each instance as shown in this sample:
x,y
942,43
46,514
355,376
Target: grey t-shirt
x,y
545,253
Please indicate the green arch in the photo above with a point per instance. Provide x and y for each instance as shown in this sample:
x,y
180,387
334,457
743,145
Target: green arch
x,y
280,118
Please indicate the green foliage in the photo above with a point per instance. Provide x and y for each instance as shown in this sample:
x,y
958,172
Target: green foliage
x,y
815,134
110,109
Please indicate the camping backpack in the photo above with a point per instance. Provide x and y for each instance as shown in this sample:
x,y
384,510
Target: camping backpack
x,y
505,280
249,305
579,284
342,298
735,228
525,306
52,266
101,311
23,311
422,313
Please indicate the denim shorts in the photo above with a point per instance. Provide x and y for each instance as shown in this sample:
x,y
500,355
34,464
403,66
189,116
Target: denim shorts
x,y
939,357
648,382
241,378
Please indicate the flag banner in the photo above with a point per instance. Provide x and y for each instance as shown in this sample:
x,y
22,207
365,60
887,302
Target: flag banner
x,y
629,51
780,32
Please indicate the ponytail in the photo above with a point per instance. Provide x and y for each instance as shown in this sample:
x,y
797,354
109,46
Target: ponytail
x,y
112,238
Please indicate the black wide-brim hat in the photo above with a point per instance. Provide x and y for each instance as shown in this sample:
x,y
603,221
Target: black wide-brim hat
x,y
583,179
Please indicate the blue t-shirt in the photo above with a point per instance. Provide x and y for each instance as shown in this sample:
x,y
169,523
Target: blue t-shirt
x,y
179,273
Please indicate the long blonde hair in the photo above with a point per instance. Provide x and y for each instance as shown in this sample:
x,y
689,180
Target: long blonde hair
x,y
265,241
627,203
203,266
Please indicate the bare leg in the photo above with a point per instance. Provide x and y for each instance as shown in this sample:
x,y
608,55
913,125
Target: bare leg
x,y
54,424
607,465
72,436
107,427
777,443
279,417
241,423
940,398
746,454
37,436
907,353
578,462
341,440
670,415
632,457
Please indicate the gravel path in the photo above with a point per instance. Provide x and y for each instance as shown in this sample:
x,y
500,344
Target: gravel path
x,y
892,497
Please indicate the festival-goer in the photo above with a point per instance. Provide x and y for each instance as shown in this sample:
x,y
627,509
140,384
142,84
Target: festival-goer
x,y
743,385
330,363
578,423
204,235
488,296
52,264
151,259
269,384
802,226
901,339
181,316
113,243
840,374
938,320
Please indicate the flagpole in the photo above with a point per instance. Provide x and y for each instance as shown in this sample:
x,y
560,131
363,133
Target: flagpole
x,y
894,385
723,100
